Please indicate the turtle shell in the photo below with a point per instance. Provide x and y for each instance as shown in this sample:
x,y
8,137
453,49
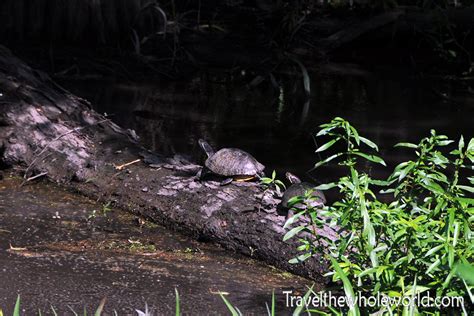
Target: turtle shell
x,y
298,189
234,162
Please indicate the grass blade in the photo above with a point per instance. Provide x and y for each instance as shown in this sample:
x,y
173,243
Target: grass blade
x,y
177,309
16,310
231,308
99,309
348,290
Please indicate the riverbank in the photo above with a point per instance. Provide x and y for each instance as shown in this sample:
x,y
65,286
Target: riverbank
x,y
46,131
63,250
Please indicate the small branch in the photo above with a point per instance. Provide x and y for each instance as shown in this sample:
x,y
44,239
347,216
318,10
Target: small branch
x,y
17,248
121,167
33,178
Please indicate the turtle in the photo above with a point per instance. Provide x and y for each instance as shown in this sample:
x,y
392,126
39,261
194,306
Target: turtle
x,y
231,163
299,188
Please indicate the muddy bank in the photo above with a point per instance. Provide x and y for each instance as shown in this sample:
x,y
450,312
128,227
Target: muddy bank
x,y
60,249
45,131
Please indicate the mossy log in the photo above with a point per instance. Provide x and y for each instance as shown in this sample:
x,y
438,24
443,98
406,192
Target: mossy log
x,y
47,131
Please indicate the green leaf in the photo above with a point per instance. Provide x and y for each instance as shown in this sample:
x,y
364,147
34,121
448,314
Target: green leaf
x,y
433,186
299,309
433,266
465,188
380,183
470,146
403,172
325,161
369,143
433,250
100,308
272,312
466,272
177,304
231,308
16,309
326,130
370,157
295,200
293,219
367,272
445,142
326,186
300,258
407,145
461,143
449,277
293,232
355,134
417,289
348,289
327,145
281,184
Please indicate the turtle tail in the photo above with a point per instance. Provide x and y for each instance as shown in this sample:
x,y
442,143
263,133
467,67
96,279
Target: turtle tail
x,y
206,147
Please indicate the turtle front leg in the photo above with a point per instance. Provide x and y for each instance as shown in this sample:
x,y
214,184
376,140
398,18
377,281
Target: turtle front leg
x,y
201,174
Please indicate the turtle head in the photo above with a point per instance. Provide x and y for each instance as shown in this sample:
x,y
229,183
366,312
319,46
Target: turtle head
x,y
206,147
292,178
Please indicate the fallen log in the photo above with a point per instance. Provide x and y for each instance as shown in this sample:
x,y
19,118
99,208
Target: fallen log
x,y
45,130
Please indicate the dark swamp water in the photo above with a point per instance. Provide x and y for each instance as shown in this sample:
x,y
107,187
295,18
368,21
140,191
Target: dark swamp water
x,y
60,258
277,124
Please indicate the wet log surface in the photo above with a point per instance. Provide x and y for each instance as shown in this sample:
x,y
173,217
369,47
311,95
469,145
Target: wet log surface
x,y
44,130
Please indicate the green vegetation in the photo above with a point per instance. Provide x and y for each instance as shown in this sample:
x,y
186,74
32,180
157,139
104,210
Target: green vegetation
x,y
98,311
233,310
407,235
132,245
403,235
102,213
273,183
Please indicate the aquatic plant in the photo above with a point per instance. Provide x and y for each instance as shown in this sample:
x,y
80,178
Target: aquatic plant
x,y
402,236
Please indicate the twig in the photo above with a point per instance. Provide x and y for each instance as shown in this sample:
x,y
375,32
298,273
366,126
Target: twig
x,y
33,178
121,167
17,248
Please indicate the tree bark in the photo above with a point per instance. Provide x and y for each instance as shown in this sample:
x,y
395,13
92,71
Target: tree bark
x,y
46,130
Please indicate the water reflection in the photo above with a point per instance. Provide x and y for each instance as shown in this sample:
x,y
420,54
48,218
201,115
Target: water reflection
x,y
276,124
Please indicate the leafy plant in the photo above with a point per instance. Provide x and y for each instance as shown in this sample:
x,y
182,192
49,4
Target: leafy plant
x,y
411,241
103,212
273,182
